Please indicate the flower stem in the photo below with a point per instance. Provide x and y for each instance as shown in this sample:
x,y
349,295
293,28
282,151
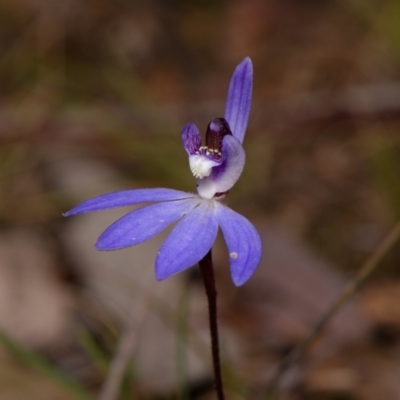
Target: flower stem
x,y
207,272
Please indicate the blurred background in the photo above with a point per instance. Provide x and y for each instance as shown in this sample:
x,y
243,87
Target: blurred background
x,y
93,97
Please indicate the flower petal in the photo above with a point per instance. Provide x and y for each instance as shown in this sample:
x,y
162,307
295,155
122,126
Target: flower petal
x,y
238,103
142,224
224,176
188,242
191,138
126,198
243,242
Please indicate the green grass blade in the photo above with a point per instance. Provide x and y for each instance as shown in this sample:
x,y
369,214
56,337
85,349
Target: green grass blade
x,y
43,366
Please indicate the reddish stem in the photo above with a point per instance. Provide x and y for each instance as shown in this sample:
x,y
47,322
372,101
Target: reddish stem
x,y
207,272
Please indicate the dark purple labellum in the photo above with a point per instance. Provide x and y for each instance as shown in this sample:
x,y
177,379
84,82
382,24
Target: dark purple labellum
x,y
216,131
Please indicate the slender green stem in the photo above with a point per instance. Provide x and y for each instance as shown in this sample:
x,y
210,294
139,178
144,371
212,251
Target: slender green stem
x,y
207,272
347,294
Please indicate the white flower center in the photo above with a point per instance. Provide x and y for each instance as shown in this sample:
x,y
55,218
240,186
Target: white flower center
x,y
200,165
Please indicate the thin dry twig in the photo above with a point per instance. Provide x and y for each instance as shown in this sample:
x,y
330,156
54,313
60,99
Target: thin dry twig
x,y
123,355
347,294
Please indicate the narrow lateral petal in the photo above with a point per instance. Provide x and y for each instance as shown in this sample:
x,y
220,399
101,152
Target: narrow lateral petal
x,y
238,103
191,138
142,224
126,198
243,242
188,242
224,176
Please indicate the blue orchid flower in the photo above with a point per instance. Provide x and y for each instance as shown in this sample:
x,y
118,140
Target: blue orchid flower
x,y
217,166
